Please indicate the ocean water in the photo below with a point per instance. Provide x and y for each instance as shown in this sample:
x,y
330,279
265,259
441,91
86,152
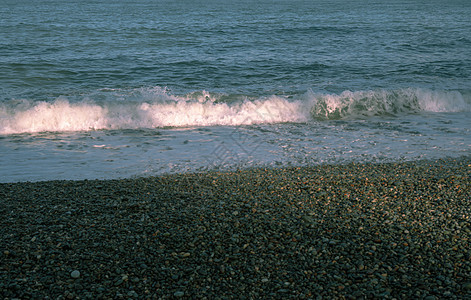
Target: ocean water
x,y
118,88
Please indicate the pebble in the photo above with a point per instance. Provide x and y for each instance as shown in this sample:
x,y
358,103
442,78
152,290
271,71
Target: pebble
x,y
133,294
75,274
179,294
331,231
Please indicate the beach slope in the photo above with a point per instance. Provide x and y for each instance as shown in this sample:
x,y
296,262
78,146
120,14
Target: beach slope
x,y
398,230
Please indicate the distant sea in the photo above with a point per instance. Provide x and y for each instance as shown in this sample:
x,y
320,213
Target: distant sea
x,y
114,89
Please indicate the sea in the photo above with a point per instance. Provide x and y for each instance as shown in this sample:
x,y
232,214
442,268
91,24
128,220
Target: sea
x,y
116,89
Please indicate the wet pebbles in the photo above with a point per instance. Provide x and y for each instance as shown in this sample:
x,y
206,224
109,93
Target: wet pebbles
x,y
356,231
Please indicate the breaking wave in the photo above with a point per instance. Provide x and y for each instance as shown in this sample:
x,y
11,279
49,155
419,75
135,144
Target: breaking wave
x,y
157,108
383,102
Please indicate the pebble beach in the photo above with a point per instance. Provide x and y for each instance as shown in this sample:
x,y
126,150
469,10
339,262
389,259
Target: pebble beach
x,y
355,231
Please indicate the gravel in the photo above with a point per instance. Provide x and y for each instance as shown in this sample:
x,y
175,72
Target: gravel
x,y
356,231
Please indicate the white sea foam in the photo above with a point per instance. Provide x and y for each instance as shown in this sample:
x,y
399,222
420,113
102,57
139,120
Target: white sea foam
x,y
156,107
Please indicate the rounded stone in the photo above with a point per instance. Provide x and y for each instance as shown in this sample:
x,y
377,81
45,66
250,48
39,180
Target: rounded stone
x,y
179,294
75,274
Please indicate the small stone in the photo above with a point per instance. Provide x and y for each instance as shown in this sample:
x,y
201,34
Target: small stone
x,y
307,219
75,274
133,294
179,294
118,282
467,286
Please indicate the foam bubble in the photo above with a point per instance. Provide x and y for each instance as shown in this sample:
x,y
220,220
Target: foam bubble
x,y
443,101
59,115
209,113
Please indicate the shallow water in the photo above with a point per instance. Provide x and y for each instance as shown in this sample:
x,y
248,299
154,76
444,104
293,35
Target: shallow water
x,y
122,89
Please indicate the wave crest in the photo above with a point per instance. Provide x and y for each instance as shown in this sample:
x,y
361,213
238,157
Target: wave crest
x,y
390,103
156,107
